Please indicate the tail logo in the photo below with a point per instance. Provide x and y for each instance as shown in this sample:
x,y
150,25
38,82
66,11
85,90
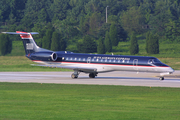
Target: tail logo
x,y
29,46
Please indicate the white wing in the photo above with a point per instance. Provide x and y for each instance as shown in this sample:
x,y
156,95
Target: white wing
x,y
80,69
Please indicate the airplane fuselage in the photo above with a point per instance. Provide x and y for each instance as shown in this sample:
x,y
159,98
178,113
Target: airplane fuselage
x,y
102,63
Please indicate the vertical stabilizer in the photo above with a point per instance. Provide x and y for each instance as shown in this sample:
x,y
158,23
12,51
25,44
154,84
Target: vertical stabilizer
x,y
30,45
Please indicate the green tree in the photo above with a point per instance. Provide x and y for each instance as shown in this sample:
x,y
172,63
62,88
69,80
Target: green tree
x,y
88,45
62,44
94,22
101,47
58,9
134,47
43,16
153,44
133,20
1,16
162,14
113,35
55,41
46,42
6,44
156,44
147,41
172,30
121,34
37,11
81,24
108,44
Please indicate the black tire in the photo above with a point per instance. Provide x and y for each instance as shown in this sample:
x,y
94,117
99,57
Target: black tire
x,y
73,76
161,78
91,75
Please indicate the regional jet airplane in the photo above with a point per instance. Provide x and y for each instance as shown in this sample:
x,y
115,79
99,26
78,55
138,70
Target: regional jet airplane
x,y
90,63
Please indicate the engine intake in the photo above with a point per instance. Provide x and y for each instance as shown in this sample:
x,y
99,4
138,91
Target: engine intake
x,y
54,56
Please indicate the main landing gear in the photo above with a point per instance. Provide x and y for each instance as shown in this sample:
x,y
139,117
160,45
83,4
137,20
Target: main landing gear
x,y
92,75
76,73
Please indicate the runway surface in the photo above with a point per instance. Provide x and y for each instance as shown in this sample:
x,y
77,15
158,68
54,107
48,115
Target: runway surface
x,y
111,78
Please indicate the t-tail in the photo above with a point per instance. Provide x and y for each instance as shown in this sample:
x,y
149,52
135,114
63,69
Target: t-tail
x,y
30,45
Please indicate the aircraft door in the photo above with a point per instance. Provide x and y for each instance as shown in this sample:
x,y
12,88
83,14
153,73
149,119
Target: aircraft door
x,y
89,60
135,64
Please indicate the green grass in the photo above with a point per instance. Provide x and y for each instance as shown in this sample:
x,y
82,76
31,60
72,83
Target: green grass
x,y
172,62
167,50
21,63
87,102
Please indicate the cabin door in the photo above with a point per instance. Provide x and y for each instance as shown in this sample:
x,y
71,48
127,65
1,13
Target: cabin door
x,y
89,60
135,64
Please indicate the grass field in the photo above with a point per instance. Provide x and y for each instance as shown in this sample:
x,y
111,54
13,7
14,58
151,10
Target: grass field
x,y
87,102
21,63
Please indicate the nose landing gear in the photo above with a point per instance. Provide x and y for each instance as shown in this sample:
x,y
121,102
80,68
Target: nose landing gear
x,y
75,75
161,78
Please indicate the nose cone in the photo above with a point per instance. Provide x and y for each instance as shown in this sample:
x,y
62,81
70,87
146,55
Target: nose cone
x,y
170,70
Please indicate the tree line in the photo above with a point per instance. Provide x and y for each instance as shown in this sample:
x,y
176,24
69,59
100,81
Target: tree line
x,y
80,22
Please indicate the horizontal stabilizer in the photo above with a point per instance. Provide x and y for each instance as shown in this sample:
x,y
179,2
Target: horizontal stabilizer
x,y
32,33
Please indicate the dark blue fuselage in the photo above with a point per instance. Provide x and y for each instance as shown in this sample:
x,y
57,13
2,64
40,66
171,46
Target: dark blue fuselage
x,y
64,56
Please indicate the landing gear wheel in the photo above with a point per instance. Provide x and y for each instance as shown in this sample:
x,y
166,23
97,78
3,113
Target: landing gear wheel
x,y
91,75
73,76
161,78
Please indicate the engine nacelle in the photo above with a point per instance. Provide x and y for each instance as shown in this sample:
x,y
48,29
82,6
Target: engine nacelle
x,y
54,56
44,56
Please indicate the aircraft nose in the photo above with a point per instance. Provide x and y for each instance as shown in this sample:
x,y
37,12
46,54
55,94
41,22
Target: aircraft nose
x,y
170,70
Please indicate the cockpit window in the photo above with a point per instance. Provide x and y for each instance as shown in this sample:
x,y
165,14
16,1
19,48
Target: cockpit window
x,y
157,61
152,61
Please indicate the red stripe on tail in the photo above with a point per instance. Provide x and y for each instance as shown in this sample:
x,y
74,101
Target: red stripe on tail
x,y
28,36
